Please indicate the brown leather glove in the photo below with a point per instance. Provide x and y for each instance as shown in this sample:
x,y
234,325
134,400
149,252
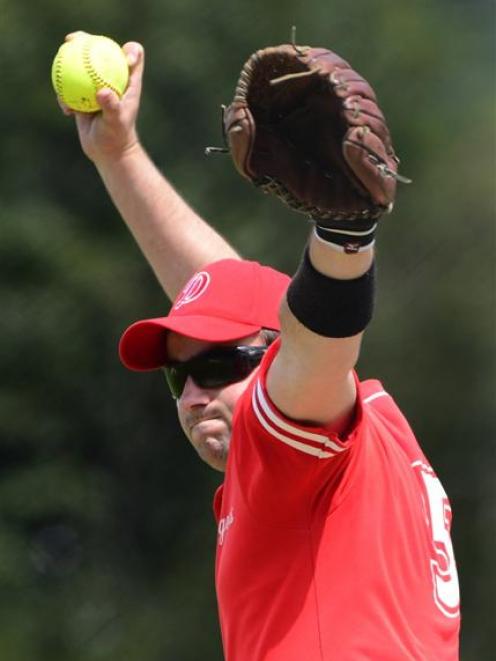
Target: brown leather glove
x,y
306,127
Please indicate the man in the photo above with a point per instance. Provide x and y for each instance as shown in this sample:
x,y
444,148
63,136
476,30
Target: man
x,y
333,530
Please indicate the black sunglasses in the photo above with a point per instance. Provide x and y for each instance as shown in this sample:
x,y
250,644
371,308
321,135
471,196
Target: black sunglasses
x,y
214,368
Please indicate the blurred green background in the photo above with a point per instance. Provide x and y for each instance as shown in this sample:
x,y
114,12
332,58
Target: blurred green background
x,y
106,533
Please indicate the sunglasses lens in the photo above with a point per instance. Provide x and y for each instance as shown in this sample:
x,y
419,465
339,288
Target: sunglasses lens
x,y
176,379
216,371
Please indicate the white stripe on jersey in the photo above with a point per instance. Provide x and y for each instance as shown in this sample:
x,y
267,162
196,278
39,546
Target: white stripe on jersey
x,y
370,398
260,402
292,429
303,447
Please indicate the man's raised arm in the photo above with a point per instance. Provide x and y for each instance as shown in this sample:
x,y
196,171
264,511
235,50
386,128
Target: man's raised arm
x,y
175,240
311,378
306,127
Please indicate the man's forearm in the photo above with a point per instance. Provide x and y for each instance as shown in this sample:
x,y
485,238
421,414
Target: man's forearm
x,y
173,238
322,323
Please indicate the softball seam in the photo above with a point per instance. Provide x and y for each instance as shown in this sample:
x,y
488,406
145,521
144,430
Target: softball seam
x,y
98,81
58,76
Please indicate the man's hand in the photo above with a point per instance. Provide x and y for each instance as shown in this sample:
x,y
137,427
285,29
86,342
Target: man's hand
x,y
175,241
111,133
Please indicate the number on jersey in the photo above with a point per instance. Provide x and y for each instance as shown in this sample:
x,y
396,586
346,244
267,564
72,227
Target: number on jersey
x,y
443,567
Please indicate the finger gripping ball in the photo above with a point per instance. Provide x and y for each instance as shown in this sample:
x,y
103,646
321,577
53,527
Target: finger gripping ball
x,y
83,66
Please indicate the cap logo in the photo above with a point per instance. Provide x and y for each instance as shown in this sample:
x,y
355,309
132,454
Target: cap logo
x,y
193,289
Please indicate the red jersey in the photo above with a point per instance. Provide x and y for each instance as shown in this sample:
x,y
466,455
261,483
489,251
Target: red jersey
x,y
333,548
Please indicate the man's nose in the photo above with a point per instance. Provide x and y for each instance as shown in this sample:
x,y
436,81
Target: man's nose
x,y
193,395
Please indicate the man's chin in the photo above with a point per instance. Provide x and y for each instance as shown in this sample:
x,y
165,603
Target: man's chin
x,y
212,448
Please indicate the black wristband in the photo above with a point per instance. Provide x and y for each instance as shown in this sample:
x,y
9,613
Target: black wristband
x,y
331,307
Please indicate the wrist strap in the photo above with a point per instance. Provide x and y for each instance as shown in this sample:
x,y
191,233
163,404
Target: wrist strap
x,y
349,237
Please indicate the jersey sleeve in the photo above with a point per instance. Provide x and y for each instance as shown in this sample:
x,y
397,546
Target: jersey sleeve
x,y
283,465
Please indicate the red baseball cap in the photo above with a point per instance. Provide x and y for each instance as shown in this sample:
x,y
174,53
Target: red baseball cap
x,y
225,301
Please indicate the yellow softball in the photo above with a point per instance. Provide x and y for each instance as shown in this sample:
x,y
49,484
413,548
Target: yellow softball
x,y
85,64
